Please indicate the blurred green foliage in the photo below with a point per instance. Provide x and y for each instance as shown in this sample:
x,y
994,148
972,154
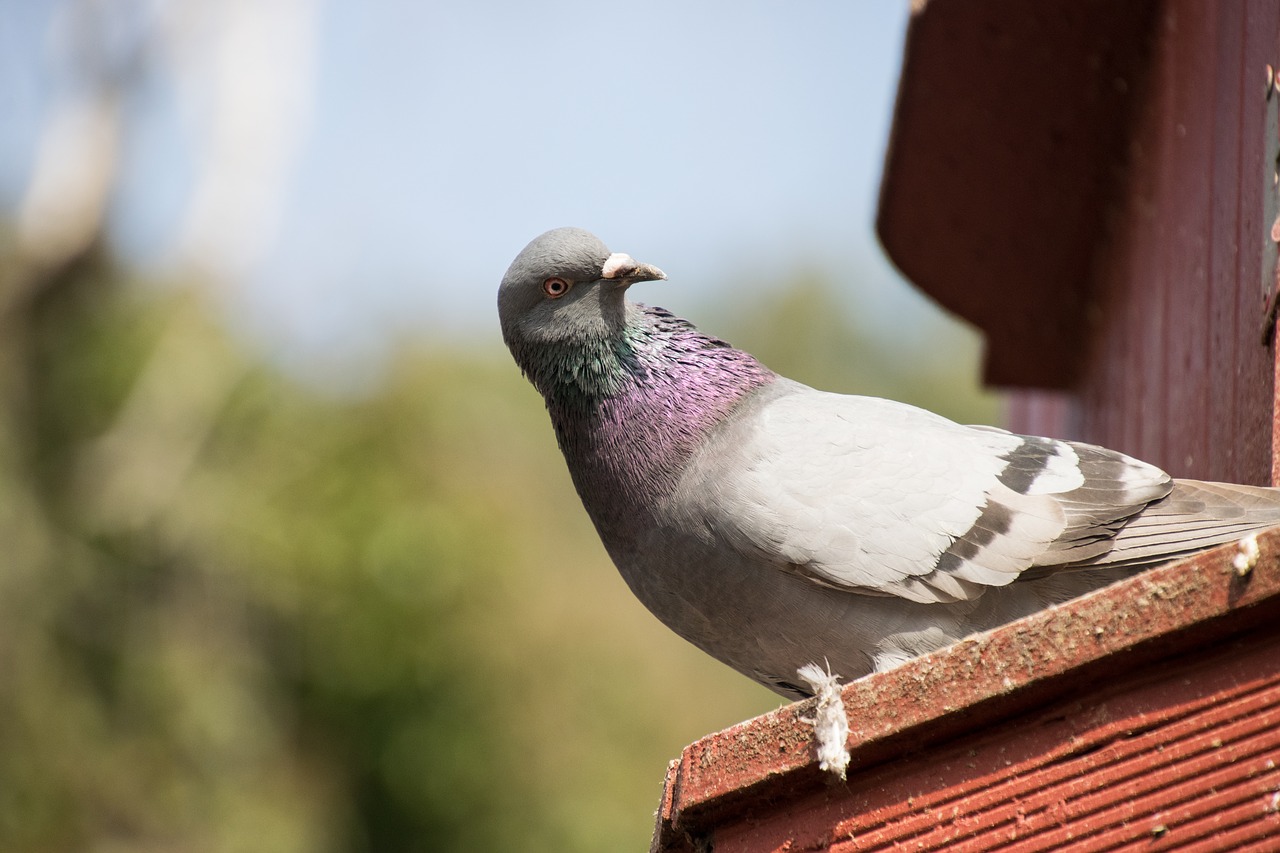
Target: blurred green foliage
x,y
803,330
239,614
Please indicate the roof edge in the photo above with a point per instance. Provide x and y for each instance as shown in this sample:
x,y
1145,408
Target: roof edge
x,y
973,682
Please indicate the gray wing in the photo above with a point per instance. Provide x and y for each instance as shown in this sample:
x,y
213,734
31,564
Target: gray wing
x,y
882,498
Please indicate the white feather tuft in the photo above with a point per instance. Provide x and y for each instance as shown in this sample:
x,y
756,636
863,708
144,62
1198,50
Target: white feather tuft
x,y
1247,554
830,724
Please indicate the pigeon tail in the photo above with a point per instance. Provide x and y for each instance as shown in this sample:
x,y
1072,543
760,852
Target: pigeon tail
x,y
1194,516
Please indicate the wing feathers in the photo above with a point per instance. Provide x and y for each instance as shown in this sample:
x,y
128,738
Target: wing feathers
x,y
881,498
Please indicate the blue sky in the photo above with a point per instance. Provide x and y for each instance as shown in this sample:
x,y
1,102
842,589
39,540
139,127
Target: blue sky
x,y
726,142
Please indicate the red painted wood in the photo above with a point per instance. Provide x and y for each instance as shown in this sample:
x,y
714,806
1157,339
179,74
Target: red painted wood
x,y
1006,130
1175,370
1180,364
1224,251
1091,723
1176,759
1146,716
1117,253
1170,760
1254,366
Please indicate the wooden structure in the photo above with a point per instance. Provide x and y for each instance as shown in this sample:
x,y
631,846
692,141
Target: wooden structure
x,y
1144,716
1094,184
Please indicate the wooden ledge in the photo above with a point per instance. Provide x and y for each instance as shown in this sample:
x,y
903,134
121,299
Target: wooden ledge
x,y
1115,636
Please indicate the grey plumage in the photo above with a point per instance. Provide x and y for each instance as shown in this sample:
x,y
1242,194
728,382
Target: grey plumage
x,y
774,525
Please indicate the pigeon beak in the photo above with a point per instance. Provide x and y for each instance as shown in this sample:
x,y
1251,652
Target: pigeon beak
x,y
624,269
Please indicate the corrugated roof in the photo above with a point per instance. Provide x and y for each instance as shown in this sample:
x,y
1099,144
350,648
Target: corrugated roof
x,y
1145,713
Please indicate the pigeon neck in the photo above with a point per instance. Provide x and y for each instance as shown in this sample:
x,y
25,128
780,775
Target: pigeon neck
x,y
628,414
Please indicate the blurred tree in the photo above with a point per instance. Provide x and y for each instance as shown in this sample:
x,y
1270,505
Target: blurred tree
x,y
235,614
238,614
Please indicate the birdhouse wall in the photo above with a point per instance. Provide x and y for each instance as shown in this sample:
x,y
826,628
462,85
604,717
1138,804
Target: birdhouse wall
x,y
1092,184
1177,366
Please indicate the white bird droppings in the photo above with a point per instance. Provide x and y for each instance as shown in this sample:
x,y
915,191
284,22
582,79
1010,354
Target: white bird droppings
x,y
830,724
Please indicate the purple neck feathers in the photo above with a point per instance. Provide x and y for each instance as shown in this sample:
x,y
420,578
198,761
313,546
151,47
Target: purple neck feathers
x,y
664,385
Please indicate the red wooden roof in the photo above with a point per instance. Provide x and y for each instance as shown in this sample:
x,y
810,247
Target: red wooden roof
x,y
1146,714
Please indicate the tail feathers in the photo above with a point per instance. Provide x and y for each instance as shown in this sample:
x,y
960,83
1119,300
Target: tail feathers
x,y
1195,515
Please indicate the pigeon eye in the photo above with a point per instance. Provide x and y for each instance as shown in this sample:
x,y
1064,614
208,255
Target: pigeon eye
x,y
555,287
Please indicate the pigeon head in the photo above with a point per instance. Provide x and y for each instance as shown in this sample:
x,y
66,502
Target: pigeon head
x,y
583,345
566,287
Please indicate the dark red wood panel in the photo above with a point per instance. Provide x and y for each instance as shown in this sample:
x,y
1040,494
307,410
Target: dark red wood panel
x,y
1118,251
1008,121
1225,250
1180,364
1175,368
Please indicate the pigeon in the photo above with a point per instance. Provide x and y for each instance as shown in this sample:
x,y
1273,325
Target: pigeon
x,y
774,525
